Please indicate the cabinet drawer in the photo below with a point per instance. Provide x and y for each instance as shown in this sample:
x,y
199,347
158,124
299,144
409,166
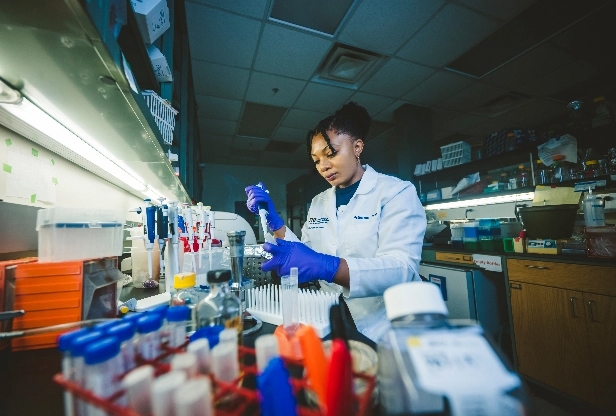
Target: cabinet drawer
x,y
454,257
585,278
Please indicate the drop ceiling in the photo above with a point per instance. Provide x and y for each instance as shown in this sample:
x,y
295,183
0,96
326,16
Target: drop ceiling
x,y
479,65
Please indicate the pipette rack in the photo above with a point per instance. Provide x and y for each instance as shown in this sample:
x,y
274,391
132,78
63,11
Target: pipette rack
x,y
236,398
264,302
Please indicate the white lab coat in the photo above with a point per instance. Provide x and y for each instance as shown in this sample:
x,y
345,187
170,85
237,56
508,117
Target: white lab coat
x,y
379,234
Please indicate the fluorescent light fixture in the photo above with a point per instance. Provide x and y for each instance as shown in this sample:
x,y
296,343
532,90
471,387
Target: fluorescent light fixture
x,y
490,200
8,94
153,194
43,122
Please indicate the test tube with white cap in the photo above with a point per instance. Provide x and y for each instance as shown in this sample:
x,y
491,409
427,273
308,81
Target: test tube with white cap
x,y
138,386
163,389
194,398
266,348
290,313
201,349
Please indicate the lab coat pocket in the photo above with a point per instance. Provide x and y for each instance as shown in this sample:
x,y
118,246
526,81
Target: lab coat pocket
x,y
362,236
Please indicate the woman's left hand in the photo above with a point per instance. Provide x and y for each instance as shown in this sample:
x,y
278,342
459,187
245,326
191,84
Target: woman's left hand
x,y
311,265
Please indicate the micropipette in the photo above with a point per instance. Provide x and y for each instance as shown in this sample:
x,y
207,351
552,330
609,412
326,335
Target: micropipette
x,y
174,231
162,227
201,227
150,235
188,221
263,216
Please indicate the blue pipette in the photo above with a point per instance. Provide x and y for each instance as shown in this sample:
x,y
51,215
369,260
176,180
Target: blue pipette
x,y
150,236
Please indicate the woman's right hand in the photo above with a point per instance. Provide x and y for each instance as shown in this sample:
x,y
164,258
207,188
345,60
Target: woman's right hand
x,y
258,197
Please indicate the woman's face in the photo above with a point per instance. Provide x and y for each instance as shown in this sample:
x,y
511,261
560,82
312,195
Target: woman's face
x,y
338,164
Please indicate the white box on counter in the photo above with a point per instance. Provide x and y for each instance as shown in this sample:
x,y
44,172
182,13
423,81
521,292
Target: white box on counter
x,y
152,18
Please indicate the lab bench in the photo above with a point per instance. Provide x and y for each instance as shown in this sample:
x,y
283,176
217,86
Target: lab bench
x,y
562,315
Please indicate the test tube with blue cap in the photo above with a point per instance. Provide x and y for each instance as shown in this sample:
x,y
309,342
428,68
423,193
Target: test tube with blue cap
x,y
149,341
125,332
64,345
103,366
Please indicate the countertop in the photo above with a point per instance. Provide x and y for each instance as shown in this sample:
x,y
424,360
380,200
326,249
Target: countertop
x,y
428,255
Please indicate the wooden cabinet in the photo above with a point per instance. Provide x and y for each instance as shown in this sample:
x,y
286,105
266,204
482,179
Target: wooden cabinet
x,y
565,329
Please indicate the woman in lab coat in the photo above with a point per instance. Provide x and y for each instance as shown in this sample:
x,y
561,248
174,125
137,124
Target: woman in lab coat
x,y
362,235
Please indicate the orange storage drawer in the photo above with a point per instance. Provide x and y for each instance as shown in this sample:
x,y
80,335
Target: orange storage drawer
x,y
44,301
34,342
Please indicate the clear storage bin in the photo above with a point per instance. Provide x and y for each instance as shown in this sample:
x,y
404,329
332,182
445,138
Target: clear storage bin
x,y
79,233
455,154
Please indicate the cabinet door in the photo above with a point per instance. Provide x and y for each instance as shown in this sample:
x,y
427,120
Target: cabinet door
x,y
601,325
550,336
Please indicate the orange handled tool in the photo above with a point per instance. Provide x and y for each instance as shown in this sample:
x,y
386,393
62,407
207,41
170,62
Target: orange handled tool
x,y
314,360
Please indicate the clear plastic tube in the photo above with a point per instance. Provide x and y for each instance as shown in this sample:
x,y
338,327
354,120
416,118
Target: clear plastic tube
x,y
163,389
186,362
149,335
224,362
194,398
138,386
290,302
266,347
201,349
102,369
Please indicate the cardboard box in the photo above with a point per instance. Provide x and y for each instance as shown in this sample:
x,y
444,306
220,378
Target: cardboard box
x,y
159,64
544,246
152,18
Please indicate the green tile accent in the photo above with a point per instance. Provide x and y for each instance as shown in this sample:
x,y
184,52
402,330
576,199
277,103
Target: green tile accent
x,y
8,142
34,152
54,181
7,168
33,198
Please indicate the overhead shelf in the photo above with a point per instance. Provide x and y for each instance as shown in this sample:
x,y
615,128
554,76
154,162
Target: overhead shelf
x,y
73,72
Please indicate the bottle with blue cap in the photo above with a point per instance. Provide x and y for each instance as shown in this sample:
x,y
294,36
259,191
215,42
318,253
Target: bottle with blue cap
x,y
103,367
125,332
64,345
77,347
177,317
149,342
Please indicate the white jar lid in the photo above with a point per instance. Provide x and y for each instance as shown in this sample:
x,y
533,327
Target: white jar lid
x,y
413,298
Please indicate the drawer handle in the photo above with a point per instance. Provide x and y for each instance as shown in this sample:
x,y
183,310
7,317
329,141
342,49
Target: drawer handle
x,y
452,258
592,317
572,300
530,266
515,286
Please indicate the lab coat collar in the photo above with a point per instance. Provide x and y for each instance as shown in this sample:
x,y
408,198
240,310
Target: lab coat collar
x,y
367,184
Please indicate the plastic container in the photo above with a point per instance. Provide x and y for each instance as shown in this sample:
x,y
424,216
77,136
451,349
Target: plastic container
x,y
471,244
455,154
600,241
491,244
149,342
549,221
177,317
125,332
79,233
508,245
510,229
471,231
102,370
416,354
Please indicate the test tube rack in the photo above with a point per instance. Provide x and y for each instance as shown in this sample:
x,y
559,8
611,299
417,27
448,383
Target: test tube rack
x,y
265,303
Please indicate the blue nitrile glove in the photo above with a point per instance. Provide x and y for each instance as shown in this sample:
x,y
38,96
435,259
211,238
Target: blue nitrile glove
x,y
257,195
310,264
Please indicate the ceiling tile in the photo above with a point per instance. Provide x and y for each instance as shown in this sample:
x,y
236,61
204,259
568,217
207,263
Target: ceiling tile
x,y
221,37
219,80
384,26
473,96
289,52
321,97
217,145
387,114
219,127
531,65
218,108
502,9
556,81
450,33
302,119
438,87
260,120
373,103
461,123
440,116
250,143
252,8
244,160
396,77
288,134
214,159
260,89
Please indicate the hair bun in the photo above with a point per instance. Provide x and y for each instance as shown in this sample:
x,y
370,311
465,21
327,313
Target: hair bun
x,y
357,114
